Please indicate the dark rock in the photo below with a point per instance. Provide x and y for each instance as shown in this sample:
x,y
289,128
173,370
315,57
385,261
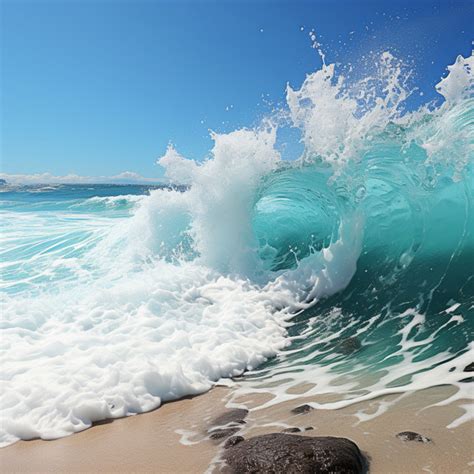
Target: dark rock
x,y
309,428
280,453
412,436
348,346
222,433
469,368
235,415
232,441
227,424
302,409
291,430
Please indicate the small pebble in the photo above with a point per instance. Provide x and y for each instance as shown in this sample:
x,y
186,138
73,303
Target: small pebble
x,y
291,430
412,436
302,409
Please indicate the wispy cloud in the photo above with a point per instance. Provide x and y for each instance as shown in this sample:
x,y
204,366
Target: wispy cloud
x,y
127,177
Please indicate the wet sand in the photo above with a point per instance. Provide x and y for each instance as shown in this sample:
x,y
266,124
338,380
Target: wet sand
x,y
174,439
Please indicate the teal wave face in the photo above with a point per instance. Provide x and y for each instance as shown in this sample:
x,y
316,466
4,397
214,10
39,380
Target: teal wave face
x,y
417,255
296,213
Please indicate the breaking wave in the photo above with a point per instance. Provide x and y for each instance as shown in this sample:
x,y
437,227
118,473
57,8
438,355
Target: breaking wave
x,y
349,268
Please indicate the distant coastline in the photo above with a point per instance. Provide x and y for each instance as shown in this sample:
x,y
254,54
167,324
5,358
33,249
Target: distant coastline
x,y
52,185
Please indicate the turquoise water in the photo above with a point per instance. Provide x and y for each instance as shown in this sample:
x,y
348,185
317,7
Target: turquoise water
x,y
43,224
409,307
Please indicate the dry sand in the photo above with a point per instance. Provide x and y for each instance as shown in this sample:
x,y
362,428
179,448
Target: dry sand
x,y
153,442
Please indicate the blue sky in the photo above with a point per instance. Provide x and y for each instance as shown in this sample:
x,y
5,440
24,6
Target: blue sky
x,y
100,87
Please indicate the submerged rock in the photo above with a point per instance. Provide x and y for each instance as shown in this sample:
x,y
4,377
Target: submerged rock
x,y
291,430
222,433
236,415
302,409
412,436
283,453
348,346
227,424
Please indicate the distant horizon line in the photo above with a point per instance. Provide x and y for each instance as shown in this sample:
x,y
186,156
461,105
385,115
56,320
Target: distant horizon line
x,y
98,183
124,178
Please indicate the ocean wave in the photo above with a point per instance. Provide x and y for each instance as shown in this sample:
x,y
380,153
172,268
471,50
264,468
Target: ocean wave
x,y
123,201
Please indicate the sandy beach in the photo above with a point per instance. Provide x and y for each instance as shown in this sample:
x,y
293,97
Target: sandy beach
x,y
174,438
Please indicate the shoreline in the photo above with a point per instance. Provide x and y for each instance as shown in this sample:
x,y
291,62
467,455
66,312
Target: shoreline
x,y
175,438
